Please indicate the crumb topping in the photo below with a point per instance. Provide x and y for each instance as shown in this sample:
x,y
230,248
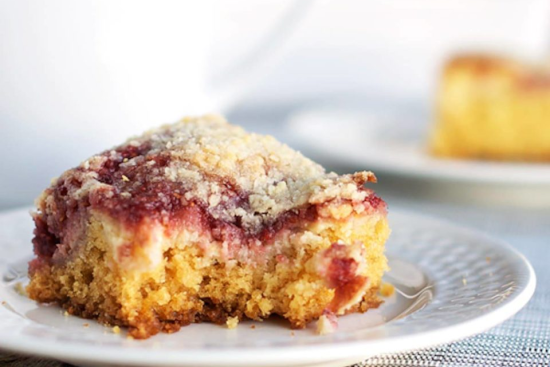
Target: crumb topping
x,y
246,179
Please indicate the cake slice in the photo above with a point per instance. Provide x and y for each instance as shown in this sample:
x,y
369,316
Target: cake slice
x,y
201,221
493,108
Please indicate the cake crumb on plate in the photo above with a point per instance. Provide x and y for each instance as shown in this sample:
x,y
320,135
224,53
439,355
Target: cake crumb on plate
x,y
387,290
19,288
327,324
232,322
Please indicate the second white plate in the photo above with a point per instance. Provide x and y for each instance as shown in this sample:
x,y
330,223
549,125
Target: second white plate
x,y
394,140
451,283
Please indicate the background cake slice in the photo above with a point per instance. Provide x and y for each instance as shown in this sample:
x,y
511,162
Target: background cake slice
x,y
201,221
493,108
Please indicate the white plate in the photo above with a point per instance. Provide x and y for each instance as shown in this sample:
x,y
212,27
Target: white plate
x,y
394,141
451,282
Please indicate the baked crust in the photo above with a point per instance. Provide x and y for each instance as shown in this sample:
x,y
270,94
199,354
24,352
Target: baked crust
x,y
201,221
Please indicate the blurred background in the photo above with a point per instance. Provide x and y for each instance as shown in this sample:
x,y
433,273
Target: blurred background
x,y
78,77
353,84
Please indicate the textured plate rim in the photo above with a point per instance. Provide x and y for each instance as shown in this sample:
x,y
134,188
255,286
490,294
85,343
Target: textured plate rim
x,y
292,355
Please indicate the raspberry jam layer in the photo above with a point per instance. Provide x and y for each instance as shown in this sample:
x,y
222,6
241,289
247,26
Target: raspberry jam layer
x,y
342,275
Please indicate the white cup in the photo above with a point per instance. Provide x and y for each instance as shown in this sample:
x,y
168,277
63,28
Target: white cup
x,y
77,77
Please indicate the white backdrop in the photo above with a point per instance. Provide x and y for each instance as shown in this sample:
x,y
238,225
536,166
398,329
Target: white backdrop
x,y
394,48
